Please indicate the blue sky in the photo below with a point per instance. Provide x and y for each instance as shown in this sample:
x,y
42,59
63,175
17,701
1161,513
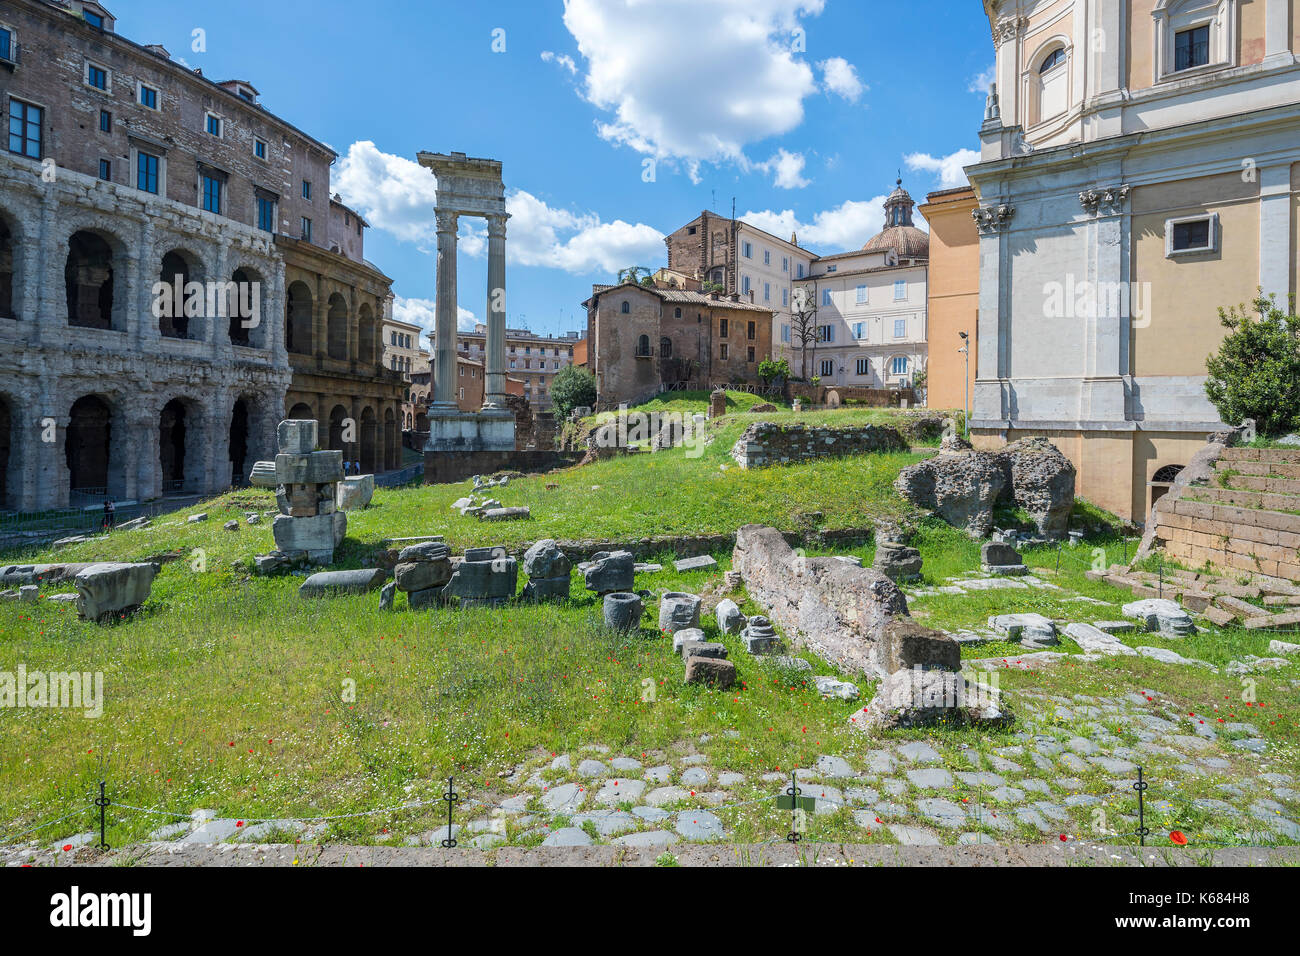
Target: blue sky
x,y
802,110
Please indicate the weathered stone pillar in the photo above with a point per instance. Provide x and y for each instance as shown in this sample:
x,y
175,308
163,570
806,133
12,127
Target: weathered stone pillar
x,y
444,373
494,364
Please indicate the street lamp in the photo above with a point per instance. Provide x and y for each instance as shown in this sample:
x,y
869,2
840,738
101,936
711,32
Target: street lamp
x,y
965,350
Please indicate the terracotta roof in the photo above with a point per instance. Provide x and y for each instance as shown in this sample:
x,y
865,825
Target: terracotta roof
x,y
684,295
908,241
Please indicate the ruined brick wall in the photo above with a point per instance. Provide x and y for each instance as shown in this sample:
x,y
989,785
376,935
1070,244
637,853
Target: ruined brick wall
x,y
767,443
748,341
623,375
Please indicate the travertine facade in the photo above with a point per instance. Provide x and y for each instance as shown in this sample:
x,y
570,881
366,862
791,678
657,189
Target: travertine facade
x,y
128,178
1127,191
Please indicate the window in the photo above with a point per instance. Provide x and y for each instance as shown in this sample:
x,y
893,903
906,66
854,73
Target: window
x,y
665,347
722,351
900,328
722,328
898,365
767,292
6,46
306,228
749,355
677,314
826,296
105,170
1052,59
785,333
864,366
744,285
1049,90
94,19
214,124
306,189
801,270
462,371
642,347
747,250
212,194
858,329
1192,48
148,97
259,148
626,308
767,257
265,214
861,295
828,367
1191,234
97,77
751,332
105,121
146,172
785,298
900,290
832,268
825,333
785,263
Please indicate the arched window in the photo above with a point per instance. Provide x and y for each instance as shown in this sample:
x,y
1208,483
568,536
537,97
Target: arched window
x,y
665,347
643,346
898,365
1050,86
1168,474
626,308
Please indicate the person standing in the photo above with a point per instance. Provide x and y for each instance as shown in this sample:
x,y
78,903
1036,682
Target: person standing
x,y
110,514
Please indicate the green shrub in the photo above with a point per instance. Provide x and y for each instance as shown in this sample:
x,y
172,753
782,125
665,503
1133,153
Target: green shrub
x,y
1256,372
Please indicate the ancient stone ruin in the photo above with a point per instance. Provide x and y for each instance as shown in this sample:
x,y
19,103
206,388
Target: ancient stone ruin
x,y
964,486
108,591
767,443
310,525
857,618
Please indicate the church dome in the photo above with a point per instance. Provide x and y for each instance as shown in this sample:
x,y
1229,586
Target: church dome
x,y
899,234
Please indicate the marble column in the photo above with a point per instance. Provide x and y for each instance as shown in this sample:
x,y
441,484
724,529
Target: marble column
x,y
444,369
494,364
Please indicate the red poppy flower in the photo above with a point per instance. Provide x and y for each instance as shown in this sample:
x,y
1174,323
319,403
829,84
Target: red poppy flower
x,y
1177,838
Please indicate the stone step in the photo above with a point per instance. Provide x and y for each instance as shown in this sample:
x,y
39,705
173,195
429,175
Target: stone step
x,y
1258,468
1258,500
1268,484
1284,456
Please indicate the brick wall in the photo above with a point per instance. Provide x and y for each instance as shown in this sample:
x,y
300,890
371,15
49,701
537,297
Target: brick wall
x,y
767,443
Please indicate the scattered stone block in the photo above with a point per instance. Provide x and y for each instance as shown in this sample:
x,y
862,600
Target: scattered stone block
x,y
1096,641
1282,647
549,572
714,671
834,687
685,636
105,591
905,644
678,610
609,572
505,514
484,576
997,558
730,620
354,492
760,637
920,698
701,563
327,583
423,600
696,648
29,594
1163,615
622,611
297,436
386,595
897,562
195,519
1032,631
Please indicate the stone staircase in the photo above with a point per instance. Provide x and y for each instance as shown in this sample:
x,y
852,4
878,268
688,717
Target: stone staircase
x,y
1245,519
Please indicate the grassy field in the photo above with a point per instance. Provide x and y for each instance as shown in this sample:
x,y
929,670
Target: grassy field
x,y
229,692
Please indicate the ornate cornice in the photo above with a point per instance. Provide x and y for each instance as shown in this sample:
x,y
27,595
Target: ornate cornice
x,y
1107,198
1008,29
992,218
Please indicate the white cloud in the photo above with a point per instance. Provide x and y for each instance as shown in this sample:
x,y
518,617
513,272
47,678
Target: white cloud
x,y
980,82
398,195
423,312
786,169
948,169
841,78
672,97
847,226
563,59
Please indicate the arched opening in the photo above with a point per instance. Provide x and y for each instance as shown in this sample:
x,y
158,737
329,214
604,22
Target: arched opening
x,y
1162,481
244,309
392,440
366,336
301,412
88,279
297,319
6,425
369,442
336,333
665,347
86,448
6,271
338,420
421,421
177,271
643,346
626,307
1049,86
171,446
240,466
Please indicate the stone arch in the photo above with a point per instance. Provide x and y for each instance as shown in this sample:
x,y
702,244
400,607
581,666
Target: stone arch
x,y
9,268
181,317
366,335
301,411
95,291
336,332
93,460
392,440
247,308
337,426
371,461
178,444
298,318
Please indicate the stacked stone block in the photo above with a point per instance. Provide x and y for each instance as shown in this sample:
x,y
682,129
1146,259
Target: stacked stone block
x,y
309,525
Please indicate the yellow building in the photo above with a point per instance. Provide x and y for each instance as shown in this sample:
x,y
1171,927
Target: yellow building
x,y
952,297
1138,170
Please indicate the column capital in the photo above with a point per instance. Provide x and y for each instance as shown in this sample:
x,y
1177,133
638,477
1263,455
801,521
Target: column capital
x,y
447,220
496,224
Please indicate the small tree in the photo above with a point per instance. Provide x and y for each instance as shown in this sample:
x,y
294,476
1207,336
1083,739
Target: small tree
x,y
770,369
573,387
803,324
1256,372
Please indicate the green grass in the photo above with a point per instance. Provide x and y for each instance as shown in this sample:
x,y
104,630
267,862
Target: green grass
x,y
229,692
